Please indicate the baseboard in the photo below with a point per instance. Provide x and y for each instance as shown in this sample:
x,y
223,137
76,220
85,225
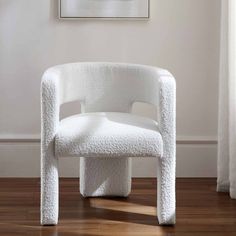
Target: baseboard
x,y
20,157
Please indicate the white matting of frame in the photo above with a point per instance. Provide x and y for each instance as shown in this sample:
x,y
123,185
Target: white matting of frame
x,y
73,9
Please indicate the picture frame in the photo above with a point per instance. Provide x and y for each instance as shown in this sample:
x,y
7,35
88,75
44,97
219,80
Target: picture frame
x,y
104,9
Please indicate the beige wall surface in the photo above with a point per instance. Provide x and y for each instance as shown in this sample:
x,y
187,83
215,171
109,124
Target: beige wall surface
x,y
181,36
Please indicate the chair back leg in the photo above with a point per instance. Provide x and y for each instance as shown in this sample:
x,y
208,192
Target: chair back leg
x,y
105,176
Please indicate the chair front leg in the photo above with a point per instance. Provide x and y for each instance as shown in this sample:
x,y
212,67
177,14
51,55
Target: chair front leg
x,y
166,191
49,189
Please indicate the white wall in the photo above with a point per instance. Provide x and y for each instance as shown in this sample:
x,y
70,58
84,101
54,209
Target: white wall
x,y
182,36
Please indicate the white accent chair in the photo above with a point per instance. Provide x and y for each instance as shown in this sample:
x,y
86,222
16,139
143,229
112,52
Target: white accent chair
x,y
105,135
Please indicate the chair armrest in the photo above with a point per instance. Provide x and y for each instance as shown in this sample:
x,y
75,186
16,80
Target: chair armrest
x,y
167,114
49,111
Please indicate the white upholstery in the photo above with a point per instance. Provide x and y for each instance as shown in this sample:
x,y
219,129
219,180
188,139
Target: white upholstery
x,y
106,88
108,134
105,176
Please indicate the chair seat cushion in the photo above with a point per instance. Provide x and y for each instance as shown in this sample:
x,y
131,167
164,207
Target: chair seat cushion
x,y
108,134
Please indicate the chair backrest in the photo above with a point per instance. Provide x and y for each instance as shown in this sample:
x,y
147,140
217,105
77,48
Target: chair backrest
x,y
108,86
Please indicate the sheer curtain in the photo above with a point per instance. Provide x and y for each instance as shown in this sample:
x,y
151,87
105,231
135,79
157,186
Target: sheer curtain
x,y
226,181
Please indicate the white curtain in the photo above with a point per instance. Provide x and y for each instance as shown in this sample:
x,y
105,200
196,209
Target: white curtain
x,y
226,181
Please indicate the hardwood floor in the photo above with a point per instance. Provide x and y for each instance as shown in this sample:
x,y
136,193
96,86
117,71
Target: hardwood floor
x,y
200,210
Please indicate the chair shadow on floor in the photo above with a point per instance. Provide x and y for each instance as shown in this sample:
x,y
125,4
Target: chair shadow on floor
x,y
113,209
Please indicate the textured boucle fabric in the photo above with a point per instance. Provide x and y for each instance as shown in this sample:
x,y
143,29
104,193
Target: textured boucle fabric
x,y
49,162
115,179
105,88
108,134
166,167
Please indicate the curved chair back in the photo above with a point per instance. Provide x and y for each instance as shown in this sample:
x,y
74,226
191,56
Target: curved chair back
x,y
111,87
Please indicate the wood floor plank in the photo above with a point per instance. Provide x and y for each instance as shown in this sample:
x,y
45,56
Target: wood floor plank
x,y
200,210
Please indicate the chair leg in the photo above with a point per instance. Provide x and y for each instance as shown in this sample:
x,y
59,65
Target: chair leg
x,y
49,190
105,176
166,191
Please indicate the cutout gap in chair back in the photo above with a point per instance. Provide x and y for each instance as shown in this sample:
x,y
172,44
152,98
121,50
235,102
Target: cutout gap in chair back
x,y
144,109
70,109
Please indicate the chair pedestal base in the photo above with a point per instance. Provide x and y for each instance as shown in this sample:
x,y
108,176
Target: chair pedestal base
x,y
105,176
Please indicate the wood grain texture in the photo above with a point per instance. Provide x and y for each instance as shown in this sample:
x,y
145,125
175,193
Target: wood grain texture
x,y
200,210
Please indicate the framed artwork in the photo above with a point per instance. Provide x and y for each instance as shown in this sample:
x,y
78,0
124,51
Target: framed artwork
x,y
73,9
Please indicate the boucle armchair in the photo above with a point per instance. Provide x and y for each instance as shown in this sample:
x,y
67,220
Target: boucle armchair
x,y
106,135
